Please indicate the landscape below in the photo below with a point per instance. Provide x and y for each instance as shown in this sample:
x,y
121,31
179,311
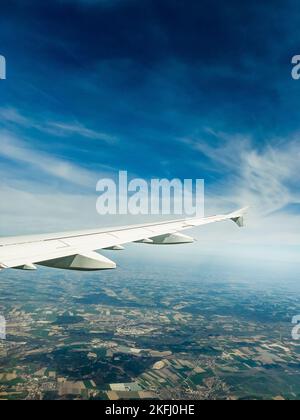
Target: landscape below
x,y
155,333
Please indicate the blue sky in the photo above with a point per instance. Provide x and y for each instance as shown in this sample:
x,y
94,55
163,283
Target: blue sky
x,y
160,88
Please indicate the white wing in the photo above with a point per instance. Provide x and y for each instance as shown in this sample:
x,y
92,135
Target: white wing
x,y
76,250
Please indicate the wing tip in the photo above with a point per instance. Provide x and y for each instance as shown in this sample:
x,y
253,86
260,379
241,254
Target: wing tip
x,y
238,217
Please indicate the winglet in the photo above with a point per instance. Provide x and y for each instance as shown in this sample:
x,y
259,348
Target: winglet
x,y
238,216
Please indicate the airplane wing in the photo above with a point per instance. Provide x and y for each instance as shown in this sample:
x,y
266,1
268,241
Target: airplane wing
x,y
76,250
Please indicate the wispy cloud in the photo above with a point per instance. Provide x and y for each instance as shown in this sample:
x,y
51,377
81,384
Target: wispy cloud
x,y
18,150
11,115
64,129
262,176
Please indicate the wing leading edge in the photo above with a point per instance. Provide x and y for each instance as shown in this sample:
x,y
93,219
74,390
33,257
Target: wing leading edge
x,y
76,250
